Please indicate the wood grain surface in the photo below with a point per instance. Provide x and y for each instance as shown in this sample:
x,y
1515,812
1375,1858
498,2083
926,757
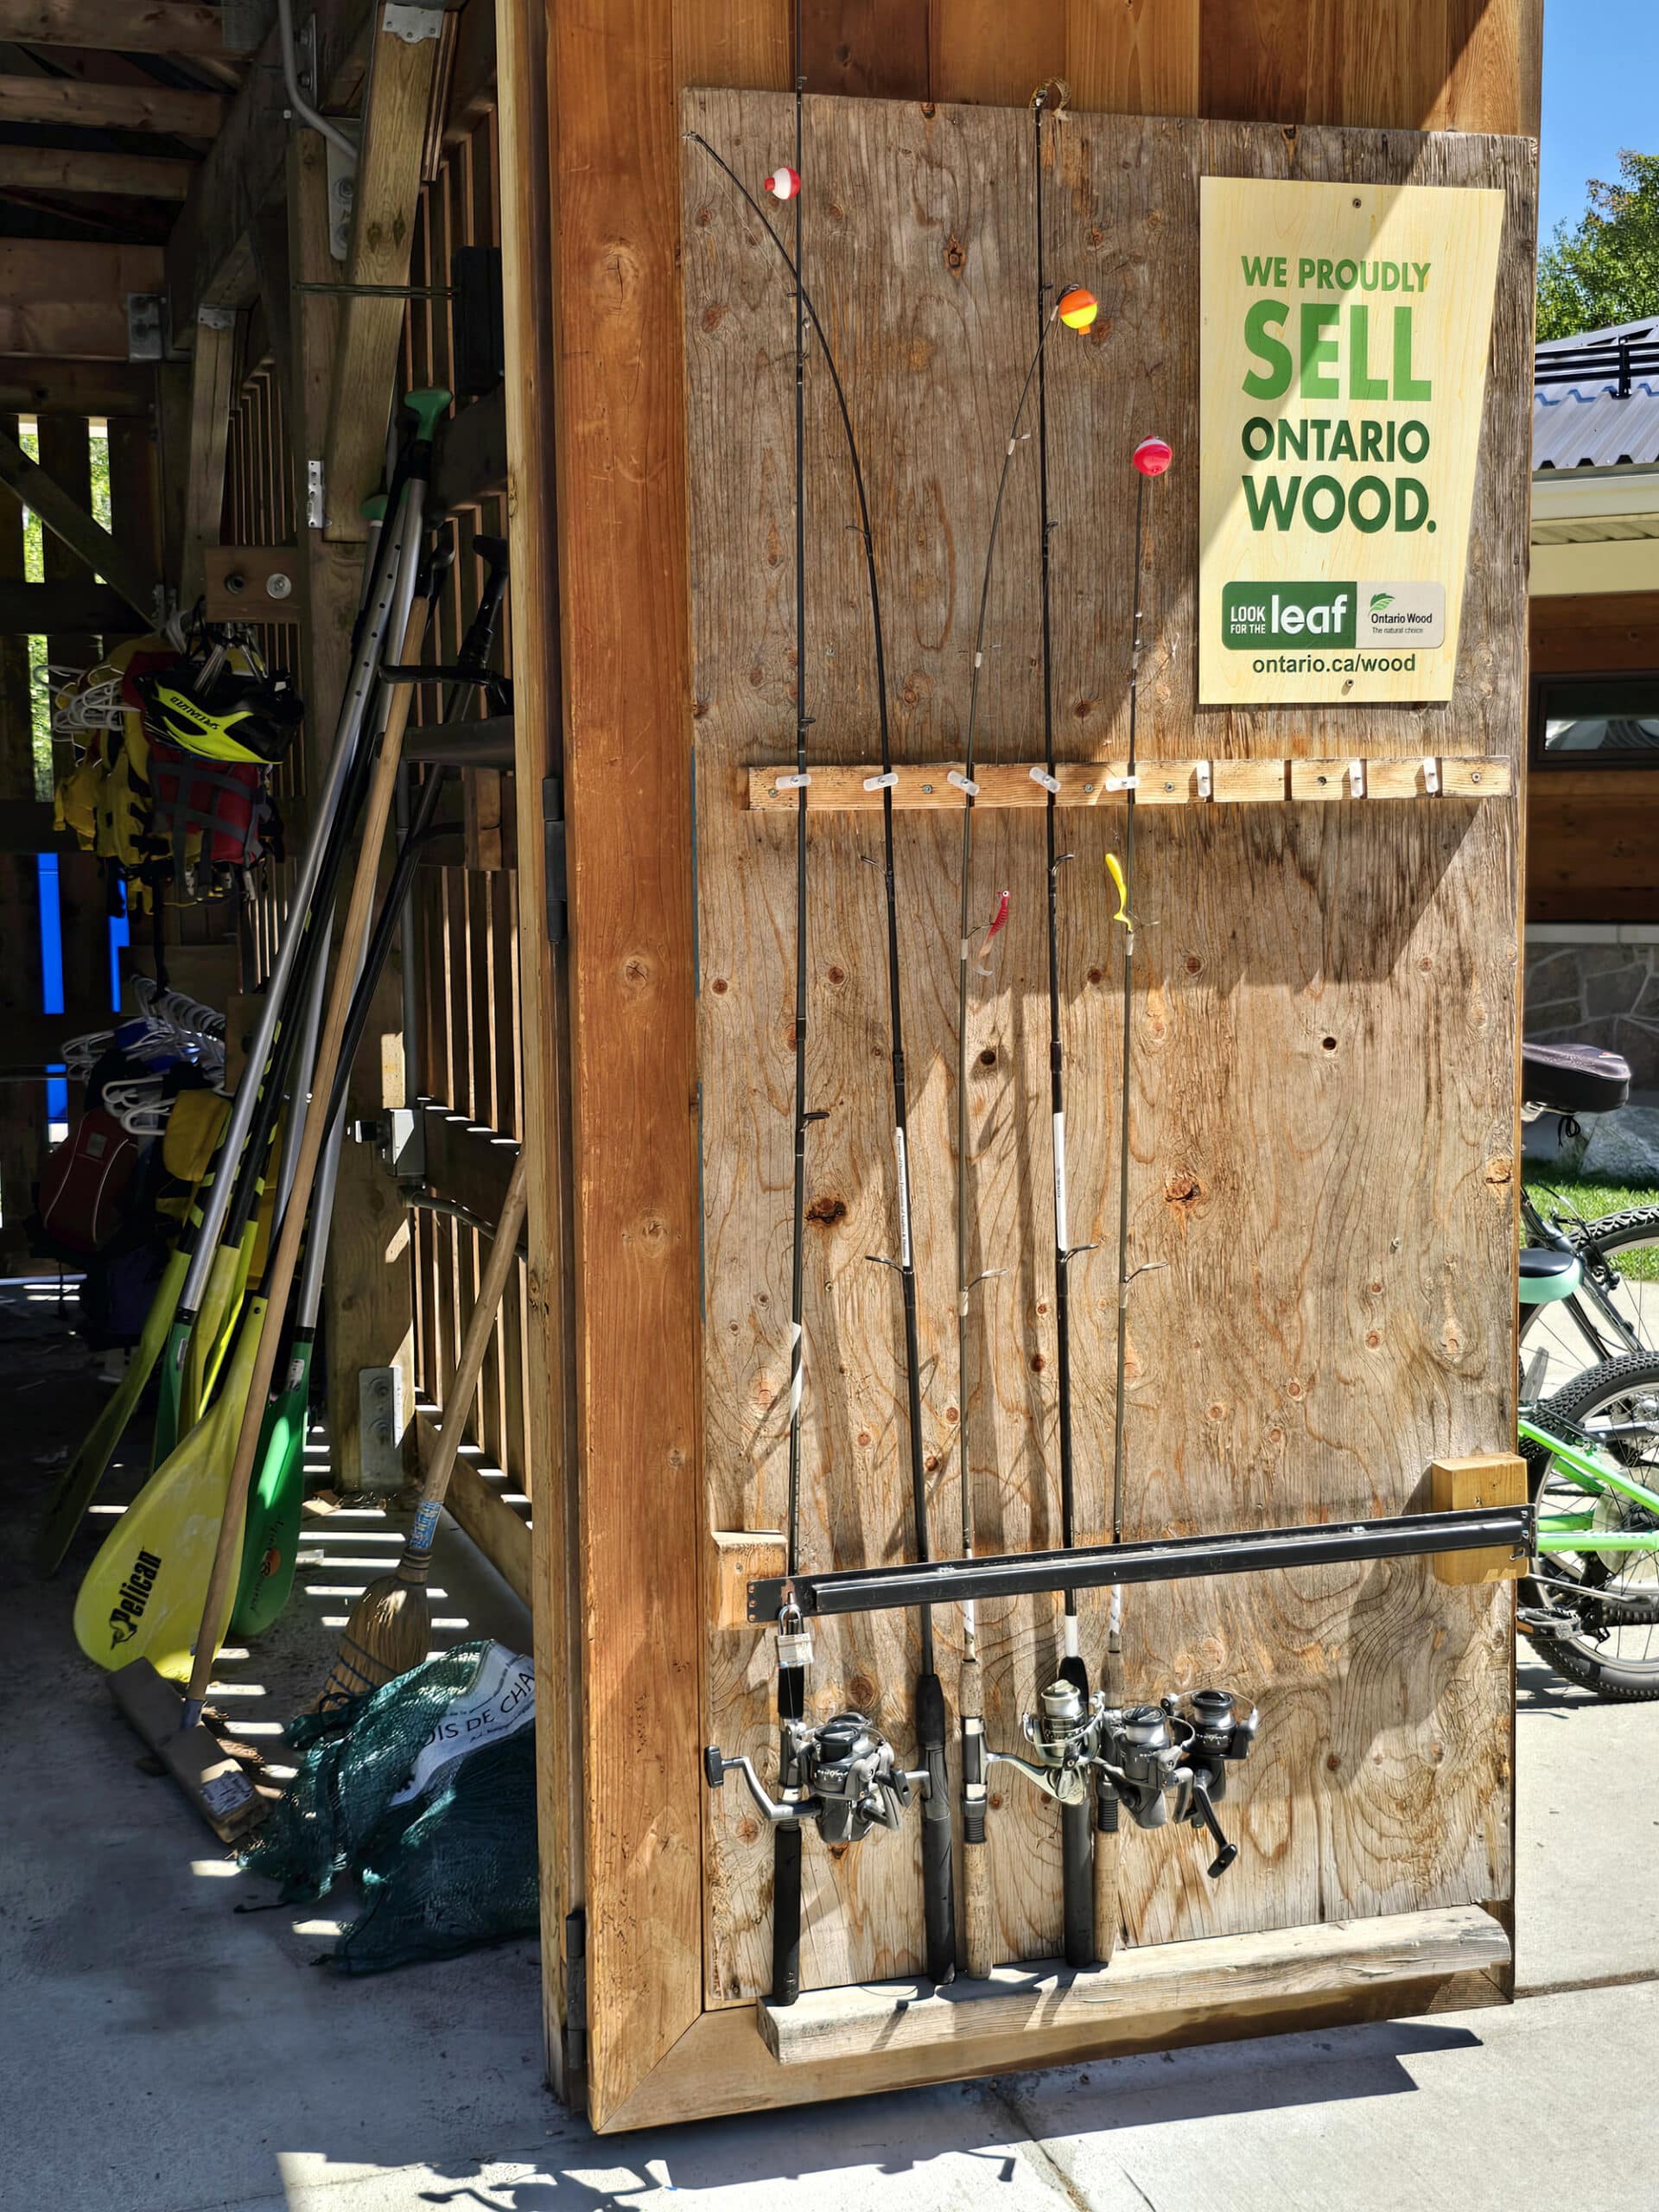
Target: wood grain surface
x,y
1320,1114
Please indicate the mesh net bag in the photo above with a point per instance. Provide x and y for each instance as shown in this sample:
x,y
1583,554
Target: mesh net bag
x,y
425,1792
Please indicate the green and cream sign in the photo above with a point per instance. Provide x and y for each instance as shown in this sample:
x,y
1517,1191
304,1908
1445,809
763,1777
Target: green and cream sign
x,y
1345,329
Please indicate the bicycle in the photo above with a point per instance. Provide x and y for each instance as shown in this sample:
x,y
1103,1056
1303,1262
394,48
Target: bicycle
x,y
1605,1306
1590,1610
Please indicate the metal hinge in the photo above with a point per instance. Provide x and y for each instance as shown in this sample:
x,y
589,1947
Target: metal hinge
x,y
414,22
315,511
146,326
576,1996
553,858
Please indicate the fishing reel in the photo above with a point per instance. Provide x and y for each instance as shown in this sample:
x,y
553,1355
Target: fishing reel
x,y
1159,1762
1170,1760
850,1778
1064,1733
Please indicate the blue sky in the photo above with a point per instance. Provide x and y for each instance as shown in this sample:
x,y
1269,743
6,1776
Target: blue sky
x,y
1601,92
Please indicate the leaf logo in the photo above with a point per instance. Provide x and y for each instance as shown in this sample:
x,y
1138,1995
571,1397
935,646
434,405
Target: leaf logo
x,y
1379,600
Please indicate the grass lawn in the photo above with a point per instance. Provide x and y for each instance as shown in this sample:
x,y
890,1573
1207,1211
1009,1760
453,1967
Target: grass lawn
x,y
1558,1193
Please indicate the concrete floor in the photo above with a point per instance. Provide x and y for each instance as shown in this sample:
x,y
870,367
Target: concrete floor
x,y
163,2052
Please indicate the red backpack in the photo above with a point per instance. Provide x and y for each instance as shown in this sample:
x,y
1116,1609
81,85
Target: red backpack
x,y
85,1183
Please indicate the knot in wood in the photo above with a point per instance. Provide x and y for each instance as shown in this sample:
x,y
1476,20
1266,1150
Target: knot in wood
x,y
1181,1190
714,315
825,1212
955,256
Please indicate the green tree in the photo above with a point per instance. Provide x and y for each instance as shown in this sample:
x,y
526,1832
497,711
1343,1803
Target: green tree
x,y
1607,269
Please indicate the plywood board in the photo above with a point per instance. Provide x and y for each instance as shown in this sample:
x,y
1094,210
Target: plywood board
x,y
1323,1033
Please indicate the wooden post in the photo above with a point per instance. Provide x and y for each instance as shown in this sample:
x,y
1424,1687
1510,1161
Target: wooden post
x,y
550,1395
212,395
385,196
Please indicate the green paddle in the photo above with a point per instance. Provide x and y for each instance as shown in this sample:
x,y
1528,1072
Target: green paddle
x,y
270,1540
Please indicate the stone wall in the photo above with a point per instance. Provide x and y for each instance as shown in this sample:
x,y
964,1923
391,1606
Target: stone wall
x,y
1597,983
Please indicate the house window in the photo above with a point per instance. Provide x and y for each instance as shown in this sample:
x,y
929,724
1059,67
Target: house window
x,y
1596,722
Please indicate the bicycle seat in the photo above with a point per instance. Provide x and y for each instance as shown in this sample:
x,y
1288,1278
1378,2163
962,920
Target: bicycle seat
x,y
1548,1274
1573,1078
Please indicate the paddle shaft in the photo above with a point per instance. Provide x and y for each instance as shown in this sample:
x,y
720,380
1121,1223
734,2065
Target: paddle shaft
x,y
280,1277
328,825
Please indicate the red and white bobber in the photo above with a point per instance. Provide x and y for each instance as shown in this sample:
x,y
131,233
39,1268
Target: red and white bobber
x,y
783,182
1153,456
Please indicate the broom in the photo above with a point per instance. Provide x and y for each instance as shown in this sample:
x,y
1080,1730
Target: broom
x,y
388,1629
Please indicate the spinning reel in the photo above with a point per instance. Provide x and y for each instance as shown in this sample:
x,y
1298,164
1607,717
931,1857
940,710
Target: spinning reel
x,y
1154,1760
850,1780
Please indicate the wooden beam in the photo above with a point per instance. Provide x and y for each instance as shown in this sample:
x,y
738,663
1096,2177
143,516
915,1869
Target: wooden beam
x,y
70,522
47,387
38,610
83,106
1260,1970
63,168
71,300
544,1027
722,2065
210,258
212,392
386,195
116,26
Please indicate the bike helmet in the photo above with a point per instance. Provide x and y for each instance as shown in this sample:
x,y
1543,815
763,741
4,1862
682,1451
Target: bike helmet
x,y
238,715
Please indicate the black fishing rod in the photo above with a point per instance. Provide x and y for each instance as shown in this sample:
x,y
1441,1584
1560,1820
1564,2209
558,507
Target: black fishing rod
x,y
1077,307
1150,458
937,1878
794,1644
1075,1825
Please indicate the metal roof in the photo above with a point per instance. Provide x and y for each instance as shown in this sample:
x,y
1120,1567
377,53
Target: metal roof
x,y
1582,423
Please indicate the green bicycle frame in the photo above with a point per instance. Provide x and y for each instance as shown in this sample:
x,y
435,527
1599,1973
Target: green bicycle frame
x,y
1595,1476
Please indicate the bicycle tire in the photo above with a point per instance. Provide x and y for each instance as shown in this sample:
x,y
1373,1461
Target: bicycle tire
x,y
1610,1233
1587,1393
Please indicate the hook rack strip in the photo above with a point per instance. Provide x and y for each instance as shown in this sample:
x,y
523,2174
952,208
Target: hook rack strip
x,y
918,785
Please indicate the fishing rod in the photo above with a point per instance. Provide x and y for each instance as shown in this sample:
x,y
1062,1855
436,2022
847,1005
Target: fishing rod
x,y
1068,1696
794,1641
841,1758
1150,459
1076,309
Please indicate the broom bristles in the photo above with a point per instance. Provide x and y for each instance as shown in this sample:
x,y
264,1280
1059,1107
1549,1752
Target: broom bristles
x,y
386,1636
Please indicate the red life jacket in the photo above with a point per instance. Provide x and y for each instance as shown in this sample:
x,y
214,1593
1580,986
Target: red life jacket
x,y
85,1183
208,809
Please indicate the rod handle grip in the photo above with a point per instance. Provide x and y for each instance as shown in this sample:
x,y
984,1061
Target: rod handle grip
x,y
979,1921
1107,1846
1077,1896
785,1914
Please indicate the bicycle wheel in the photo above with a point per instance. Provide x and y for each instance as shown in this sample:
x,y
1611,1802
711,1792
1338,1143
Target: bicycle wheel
x,y
1597,1614
1617,1312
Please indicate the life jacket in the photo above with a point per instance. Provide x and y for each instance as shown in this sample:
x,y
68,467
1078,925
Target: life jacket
x,y
166,819
211,811
86,1182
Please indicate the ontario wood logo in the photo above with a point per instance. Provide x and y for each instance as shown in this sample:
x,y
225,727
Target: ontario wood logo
x,y
133,1596
1344,336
